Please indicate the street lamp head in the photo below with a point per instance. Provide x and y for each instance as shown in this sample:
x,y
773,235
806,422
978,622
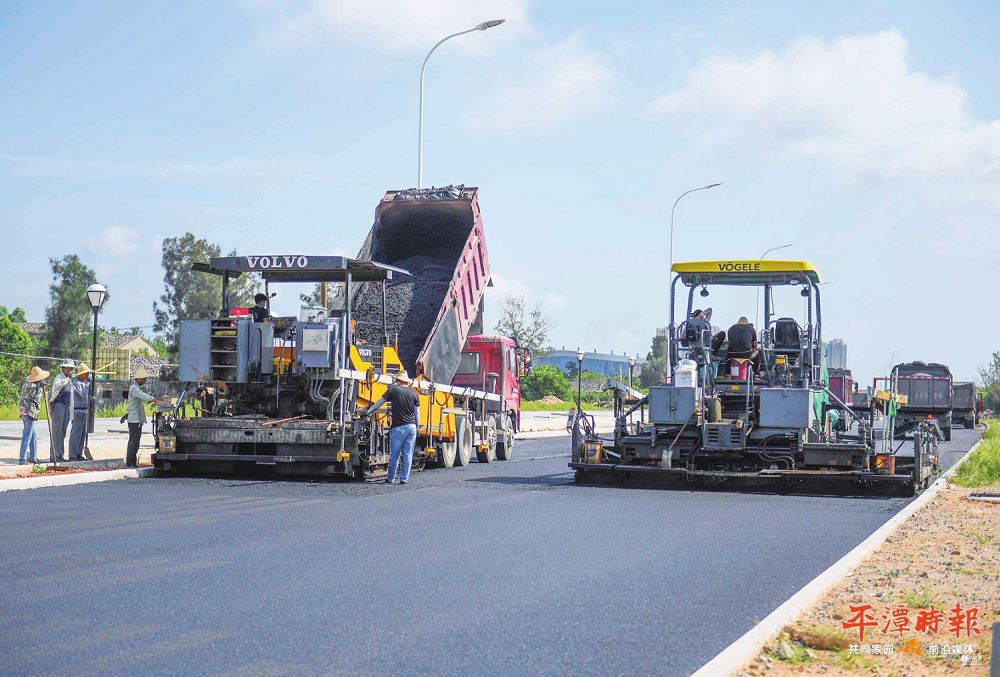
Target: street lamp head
x,y
631,361
579,355
713,185
96,293
489,24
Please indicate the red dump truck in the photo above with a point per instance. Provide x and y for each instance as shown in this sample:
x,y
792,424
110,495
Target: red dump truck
x,y
289,395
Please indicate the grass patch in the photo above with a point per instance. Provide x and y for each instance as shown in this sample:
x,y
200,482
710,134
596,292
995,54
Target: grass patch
x,y
11,412
982,467
919,600
845,659
538,405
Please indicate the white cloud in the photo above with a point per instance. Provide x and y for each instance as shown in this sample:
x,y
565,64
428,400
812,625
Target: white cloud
x,y
114,240
857,101
504,286
551,84
396,25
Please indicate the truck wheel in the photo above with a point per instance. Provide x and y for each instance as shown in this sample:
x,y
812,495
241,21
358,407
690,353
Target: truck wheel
x,y
463,441
446,455
505,439
490,442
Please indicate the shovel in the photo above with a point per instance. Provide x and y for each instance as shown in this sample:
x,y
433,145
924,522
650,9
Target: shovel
x,y
48,419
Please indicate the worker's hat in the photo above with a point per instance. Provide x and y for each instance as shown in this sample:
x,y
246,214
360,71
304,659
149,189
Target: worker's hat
x,y
140,372
82,369
68,364
37,374
403,377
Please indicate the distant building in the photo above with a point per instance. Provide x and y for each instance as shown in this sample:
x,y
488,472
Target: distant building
x,y
606,364
36,330
663,331
120,354
836,354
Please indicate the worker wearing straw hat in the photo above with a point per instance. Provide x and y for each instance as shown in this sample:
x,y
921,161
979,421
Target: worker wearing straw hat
x,y
61,406
81,402
30,404
137,399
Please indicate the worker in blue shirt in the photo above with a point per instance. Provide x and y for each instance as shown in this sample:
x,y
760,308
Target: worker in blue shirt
x,y
81,401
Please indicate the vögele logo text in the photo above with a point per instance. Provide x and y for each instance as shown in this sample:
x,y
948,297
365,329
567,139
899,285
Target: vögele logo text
x,y
739,266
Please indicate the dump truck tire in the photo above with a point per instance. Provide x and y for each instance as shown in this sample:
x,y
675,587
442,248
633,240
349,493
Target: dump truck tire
x,y
505,439
490,442
464,440
446,455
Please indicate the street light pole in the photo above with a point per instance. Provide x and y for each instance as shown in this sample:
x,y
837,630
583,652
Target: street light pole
x,y
420,123
96,294
670,267
631,368
672,209
756,320
579,380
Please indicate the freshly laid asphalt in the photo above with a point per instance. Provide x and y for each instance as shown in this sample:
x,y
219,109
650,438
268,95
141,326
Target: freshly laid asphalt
x,y
506,568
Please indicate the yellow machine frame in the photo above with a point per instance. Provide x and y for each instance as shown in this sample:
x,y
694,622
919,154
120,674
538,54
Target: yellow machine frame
x,y
437,408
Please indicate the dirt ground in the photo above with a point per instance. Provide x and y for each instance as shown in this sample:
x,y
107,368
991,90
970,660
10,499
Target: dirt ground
x,y
947,554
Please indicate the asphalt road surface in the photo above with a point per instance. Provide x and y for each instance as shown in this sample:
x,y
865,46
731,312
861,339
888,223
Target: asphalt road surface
x,y
506,568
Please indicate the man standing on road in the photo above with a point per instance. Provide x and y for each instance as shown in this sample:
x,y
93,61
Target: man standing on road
x,y
61,409
137,399
405,409
30,404
81,400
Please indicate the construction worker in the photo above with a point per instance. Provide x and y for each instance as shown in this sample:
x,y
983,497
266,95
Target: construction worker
x,y
742,339
81,402
405,409
61,409
259,308
30,404
137,399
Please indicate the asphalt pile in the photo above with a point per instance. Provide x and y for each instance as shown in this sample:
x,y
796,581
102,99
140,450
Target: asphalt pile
x,y
412,305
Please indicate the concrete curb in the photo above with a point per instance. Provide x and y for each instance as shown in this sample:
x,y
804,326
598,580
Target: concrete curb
x,y
74,478
26,470
740,653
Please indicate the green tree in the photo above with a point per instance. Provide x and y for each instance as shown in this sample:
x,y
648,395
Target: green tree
x,y
654,369
190,295
68,317
16,316
13,369
989,377
545,380
528,328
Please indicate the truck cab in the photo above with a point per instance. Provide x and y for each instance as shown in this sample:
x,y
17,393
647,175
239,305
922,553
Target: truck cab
x,y
495,364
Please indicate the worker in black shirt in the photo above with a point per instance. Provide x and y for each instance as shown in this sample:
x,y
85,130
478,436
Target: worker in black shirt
x,y
259,308
405,409
742,339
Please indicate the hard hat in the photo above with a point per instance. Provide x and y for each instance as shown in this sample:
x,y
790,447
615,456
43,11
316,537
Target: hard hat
x,y
37,374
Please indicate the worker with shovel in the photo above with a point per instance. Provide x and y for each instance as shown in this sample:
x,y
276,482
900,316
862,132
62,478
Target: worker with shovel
x,y
137,399
30,404
61,408
81,407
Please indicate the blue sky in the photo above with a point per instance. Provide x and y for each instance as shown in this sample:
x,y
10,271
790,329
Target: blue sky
x,y
867,134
